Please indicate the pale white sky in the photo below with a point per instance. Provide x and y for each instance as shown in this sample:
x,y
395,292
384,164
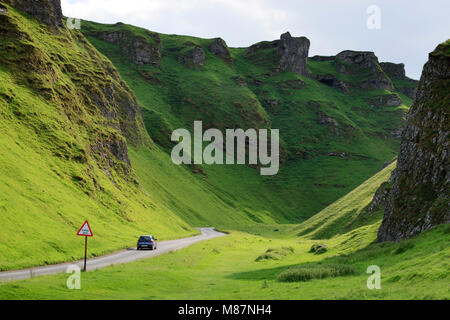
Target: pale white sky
x,y
410,29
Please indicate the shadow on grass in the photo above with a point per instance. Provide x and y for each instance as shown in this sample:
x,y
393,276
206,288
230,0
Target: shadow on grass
x,y
373,251
386,253
260,274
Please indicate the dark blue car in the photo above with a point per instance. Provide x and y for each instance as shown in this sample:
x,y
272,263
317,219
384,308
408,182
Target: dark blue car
x,y
147,242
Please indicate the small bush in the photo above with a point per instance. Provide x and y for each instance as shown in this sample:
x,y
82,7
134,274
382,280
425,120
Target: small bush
x,y
267,256
275,254
308,272
284,251
318,248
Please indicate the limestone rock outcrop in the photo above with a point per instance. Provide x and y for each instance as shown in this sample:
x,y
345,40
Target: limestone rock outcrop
x,y
405,85
394,70
193,57
142,50
331,81
349,61
46,11
220,49
420,193
291,53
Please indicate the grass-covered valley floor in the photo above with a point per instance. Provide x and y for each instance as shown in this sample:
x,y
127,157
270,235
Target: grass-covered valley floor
x,y
274,262
229,268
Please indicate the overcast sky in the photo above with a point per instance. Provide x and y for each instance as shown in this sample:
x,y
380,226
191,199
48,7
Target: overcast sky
x,y
410,29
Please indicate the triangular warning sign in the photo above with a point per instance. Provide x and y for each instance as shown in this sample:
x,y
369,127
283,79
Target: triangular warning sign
x,y
85,230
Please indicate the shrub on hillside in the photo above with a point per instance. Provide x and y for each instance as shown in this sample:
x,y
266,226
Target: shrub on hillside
x,y
319,248
275,253
308,272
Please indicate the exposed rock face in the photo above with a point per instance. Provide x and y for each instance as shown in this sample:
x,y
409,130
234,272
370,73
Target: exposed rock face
x,y
419,198
117,147
322,58
119,105
115,118
380,198
397,133
195,57
377,81
347,61
392,100
198,56
141,51
362,59
46,11
292,52
408,91
395,71
331,81
220,49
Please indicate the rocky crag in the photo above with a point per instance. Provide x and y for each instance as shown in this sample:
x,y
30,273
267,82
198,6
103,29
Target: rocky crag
x,y
374,75
93,87
46,11
419,197
291,53
402,83
220,49
142,49
347,61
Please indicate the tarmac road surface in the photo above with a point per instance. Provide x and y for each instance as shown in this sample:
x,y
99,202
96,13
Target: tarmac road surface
x,y
121,257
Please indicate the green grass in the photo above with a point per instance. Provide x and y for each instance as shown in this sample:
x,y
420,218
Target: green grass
x,y
275,253
275,264
225,268
348,212
309,272
52,179
53,101
174,96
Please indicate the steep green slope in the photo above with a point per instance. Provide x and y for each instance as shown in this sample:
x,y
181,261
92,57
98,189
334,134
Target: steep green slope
x,y
349,212
232,268
198,200
66,118
332,141
72,124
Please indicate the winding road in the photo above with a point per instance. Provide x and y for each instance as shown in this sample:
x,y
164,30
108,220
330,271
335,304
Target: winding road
x,y
121,257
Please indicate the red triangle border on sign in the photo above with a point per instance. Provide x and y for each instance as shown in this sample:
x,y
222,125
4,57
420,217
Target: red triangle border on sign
x,y
83,235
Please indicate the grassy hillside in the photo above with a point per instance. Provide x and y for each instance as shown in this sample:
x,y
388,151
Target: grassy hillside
x,y
347,213
331,141
275,265
227,268
70,123
66,118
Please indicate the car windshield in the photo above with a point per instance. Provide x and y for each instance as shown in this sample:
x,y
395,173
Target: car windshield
x,y
145,239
